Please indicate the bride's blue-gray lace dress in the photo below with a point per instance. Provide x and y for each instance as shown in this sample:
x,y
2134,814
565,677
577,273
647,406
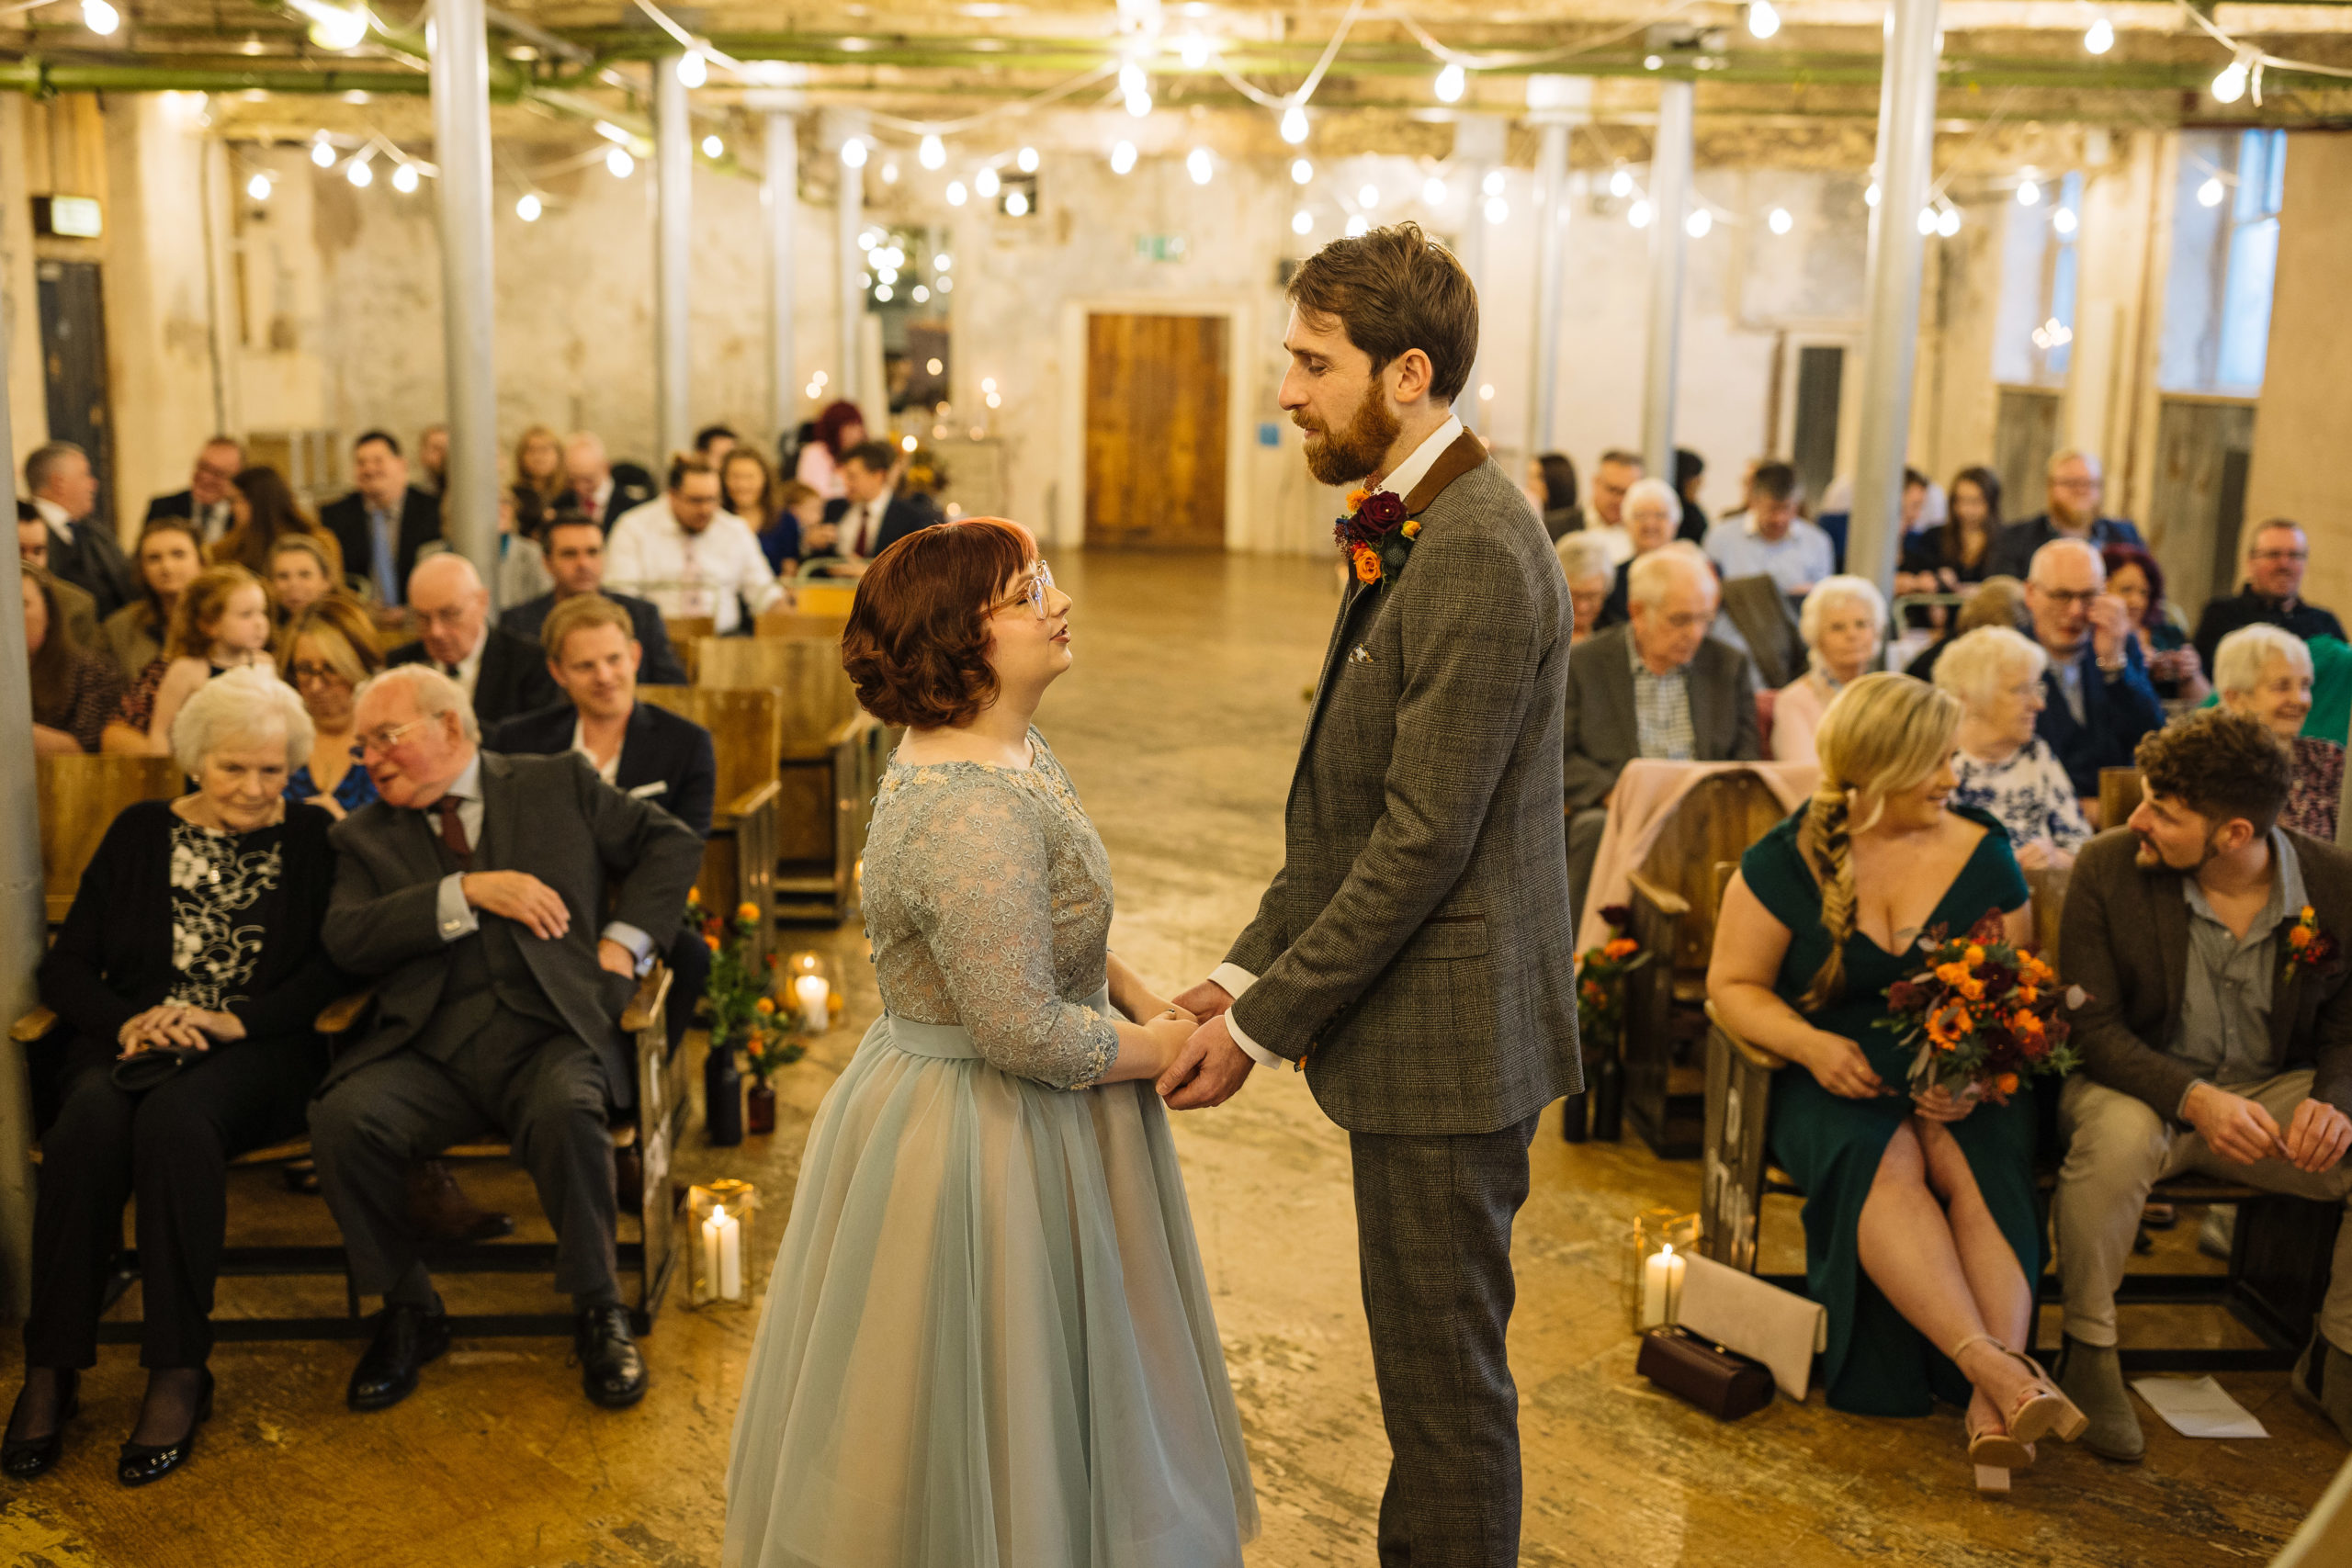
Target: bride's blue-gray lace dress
x,y
987,1341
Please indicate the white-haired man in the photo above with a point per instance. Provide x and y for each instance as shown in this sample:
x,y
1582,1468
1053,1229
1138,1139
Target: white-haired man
x,y
500,674
2076,486
602,490
2100,701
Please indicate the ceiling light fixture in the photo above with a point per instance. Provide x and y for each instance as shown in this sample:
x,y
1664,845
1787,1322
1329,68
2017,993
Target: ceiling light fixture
x,y
1451,83
404,179
2099,36
1200,166
1123,157
693,69
931,153
1763,21
1293,125
1779,220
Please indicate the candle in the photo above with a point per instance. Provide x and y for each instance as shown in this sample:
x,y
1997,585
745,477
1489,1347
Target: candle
x,y
1661,1286
816,1002
722,1255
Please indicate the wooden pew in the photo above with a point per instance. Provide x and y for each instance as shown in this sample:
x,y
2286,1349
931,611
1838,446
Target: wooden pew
x,y
685,632
2119,792
747,734
80,797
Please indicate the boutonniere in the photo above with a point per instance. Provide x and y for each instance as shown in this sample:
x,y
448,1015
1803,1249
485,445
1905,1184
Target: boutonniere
x,y
1375,534
2308,947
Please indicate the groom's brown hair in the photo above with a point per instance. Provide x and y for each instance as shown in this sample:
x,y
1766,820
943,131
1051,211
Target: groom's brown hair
x,y
1394,290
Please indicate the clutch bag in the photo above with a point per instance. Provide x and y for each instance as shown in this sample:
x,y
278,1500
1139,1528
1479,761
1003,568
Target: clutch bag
x,y
1782,1329
1722,1383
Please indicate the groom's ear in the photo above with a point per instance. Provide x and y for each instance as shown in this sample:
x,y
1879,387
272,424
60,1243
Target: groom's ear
x,y
1408,377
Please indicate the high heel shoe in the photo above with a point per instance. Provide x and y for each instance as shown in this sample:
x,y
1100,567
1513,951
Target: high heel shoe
x,y
144,1462
1995,1454
23,1458
2044,1409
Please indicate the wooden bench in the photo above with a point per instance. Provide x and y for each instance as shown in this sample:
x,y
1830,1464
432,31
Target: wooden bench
x,y
746,737
2119,793
685,632
79,799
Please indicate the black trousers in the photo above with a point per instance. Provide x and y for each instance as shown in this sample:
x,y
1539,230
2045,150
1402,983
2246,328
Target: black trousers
x,y
689,963
1433,1220
171,1147
541,1087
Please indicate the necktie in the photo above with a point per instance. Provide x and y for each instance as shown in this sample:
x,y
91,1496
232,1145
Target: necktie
x,y
864,522
453,831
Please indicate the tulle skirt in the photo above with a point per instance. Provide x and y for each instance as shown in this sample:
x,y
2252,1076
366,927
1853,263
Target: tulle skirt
x,y
987,1341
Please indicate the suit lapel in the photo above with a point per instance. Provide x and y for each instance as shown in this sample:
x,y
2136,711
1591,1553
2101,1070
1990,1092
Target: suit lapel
x,y
1357,592
1466,454
637,750
500,802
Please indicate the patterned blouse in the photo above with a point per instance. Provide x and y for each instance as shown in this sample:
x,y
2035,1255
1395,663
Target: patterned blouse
x,y
93,691
226,890
2317,789
2030,794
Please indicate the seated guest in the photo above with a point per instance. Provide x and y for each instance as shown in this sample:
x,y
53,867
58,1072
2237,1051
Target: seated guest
x,y
1842,624
205,503
2275,556
2099,699
714,442
433,459
1958,551
2207,1044
1997,602
839,428
77,611
800,525
328,653
2173,667
521,571
169,559
2002,768
1689,478
748,488
300,574
1921,1234
221,624
1551,490
870,518
385,521
1605,516
575,557
1658,687
73,693
1773,541
539,479
474,891
65,491
647,753
1586,562
2076,485
266,512
1652,513
690,556
602,490
500,673
185,978
2265,673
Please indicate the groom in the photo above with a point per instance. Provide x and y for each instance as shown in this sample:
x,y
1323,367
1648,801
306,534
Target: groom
x,y
1414,953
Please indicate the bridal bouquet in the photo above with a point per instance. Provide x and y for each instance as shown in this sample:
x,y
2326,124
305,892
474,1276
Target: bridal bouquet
x,y
1983,1013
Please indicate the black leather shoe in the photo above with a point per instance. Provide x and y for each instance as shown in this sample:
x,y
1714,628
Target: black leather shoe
x,y
144,1462
611,1372
406,1337
22,1459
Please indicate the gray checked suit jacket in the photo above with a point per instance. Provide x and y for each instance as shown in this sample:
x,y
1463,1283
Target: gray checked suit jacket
x,y
1416,947
550,817
1600,734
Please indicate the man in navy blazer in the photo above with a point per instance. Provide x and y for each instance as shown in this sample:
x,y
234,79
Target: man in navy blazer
x,y
574,545
647,753
871,516
2098,701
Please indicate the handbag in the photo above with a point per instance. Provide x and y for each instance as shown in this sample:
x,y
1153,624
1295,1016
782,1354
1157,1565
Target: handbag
x,y
1722,1383
1778,1327
154,1067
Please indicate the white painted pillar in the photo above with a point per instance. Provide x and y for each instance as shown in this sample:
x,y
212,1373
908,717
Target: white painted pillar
x,y
460,54
1551,240
783,193
849,353
1478,149
1906,146
674,156
24,930
1669,194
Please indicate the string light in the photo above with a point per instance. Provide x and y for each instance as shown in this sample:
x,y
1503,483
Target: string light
x,y
336,27
404,179
1293,125
1301,171
1451,84
1620,183
1198,164
985,184
692,70
2028,192
102,18
323,151
1927,220
1638,214
922,295
943,262
530,208
1016,204
955,193
1433,192
358,172
1027,160
2099,36
1493,183
1763,21
1368,198
618,160
890,173
883,293
1193,50
1948,222
1498,210
1870,193
1359,226
1698,223
1302,222
2210,194
853,154
1779,220
933,154
1136,88
1123,158
258,187
2229,85
2063,221
712,147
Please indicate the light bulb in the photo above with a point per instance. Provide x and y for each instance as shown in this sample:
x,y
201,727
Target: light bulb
x,y
1948,222
1139,103
618,160
1652,62
893,257
102,18
883,293
330,27
1779,220
1621,183
2099,36
1198,164
2229,85
853,154
1359,226
1193,50
887,274
1302,222
1301,171
933,154
712,147
1927,220
358,172
1486,391
819,379
946,284
1870,193
2210,194
868,239
943,262
323,153
1498,210
1027,160
1451,81
1433,192
985,184
890,173
528,208
692,70
1132,82
2063,221
1638,214
258,188
988,383
1493,183
1016,204
955,193
921,295
1368,197
1293,125
404,179
1123,158
1698,223
1762,20
2028,193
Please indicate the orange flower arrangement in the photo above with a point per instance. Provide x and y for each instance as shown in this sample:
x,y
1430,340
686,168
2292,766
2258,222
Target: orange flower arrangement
x,y
1983,1013
1600,988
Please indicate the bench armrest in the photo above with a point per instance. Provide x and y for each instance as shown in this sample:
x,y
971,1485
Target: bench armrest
x,y
34,1025
1754,1056
644,1007
750,800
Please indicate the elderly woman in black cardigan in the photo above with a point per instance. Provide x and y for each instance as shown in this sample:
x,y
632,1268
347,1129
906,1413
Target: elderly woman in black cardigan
x,y
186,979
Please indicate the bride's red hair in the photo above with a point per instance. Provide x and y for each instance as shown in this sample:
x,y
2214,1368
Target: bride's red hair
x,y
916,646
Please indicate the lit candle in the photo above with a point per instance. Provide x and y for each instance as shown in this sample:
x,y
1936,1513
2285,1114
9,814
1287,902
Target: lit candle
x,y
816,1002
722,1254
1661,1284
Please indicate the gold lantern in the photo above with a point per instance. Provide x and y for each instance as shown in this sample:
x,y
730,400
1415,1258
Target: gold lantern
x,y
1655,1251
808,991
722,1222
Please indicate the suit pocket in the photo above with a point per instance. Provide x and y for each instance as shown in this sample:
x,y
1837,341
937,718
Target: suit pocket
x,y
1455,936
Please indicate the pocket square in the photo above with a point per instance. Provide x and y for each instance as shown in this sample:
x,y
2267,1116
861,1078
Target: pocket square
x,y
1359,656
648,791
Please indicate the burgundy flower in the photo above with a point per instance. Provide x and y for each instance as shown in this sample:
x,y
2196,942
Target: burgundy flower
x,y
1905,997
1383,508
1617,915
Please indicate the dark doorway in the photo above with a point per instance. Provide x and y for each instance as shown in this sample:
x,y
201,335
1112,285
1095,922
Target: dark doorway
x,y
74,367
1821,373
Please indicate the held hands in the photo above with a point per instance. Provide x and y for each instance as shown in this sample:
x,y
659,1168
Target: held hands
x,y
1839,1067
1208,1067
521,897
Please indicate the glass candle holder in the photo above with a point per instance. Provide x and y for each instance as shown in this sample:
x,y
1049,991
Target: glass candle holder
x,y
809,991
1655,1251
721,1221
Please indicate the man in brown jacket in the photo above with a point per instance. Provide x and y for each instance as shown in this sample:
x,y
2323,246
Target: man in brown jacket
x,y
2216,1036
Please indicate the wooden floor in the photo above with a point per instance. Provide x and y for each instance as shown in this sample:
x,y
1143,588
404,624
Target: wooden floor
x,y
1179,723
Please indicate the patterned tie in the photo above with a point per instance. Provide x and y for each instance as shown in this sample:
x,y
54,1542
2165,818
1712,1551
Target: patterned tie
x,y
453,829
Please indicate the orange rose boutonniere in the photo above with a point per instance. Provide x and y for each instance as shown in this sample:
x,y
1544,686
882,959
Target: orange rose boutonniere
x,y
2308,947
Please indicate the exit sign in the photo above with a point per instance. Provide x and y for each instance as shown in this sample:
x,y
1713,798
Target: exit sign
x,y
68,216
1160,247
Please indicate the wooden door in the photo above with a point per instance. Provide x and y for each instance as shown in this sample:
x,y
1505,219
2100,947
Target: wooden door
x,y
1156,390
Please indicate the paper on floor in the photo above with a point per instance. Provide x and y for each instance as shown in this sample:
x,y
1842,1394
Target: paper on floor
x,y
2199,1407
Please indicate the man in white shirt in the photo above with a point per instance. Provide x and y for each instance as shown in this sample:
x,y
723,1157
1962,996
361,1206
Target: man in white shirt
x,y
689,556
1769,539
65,491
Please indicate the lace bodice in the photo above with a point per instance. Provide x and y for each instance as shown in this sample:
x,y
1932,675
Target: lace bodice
x,y
988,904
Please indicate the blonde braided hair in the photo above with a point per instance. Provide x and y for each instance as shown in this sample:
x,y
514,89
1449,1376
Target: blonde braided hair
x,y
1884,734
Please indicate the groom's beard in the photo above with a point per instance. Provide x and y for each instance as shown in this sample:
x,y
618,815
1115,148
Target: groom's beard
x,y
1344,457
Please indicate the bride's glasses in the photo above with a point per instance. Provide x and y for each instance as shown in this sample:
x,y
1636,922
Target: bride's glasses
x,y
1034,593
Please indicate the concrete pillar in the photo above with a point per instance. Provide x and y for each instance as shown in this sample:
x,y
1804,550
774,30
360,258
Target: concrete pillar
x,y
673,155
782,192
1479,141
24,932
1551,239
460,70
1906,146
1669,194
849,212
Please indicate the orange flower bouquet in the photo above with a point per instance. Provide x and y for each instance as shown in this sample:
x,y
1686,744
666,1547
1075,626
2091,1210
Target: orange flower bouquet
x,y
1601,980
1983,1013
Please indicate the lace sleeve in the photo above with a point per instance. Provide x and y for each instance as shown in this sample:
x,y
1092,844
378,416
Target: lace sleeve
x,y
977,885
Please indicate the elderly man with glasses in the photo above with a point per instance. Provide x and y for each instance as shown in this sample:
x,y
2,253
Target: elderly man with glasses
x,y
2099,700
1658,686
2275,557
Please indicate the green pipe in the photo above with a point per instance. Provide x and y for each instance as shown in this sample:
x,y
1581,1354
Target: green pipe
x,y
42,78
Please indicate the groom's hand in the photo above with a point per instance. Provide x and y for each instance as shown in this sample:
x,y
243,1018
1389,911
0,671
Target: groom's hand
x,y
1205,1000
1209,1068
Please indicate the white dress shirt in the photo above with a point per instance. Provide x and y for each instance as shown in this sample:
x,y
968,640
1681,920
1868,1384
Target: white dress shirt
x,y
1234,978
467,672
689,574
608,772
211,521
455,918
54,515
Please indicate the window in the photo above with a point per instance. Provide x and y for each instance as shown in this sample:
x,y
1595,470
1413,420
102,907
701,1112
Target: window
x,y
2224,261
2034,344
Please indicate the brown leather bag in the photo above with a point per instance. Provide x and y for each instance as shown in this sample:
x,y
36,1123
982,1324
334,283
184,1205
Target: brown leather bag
x,y
1722,1383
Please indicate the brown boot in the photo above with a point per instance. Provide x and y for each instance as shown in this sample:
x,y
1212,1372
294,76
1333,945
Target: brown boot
x,y
442,1213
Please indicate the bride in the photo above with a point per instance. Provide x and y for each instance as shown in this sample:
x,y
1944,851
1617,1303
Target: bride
x,y
987,1341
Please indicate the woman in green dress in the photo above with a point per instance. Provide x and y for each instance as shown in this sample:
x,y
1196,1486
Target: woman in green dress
x,y
1921,1238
